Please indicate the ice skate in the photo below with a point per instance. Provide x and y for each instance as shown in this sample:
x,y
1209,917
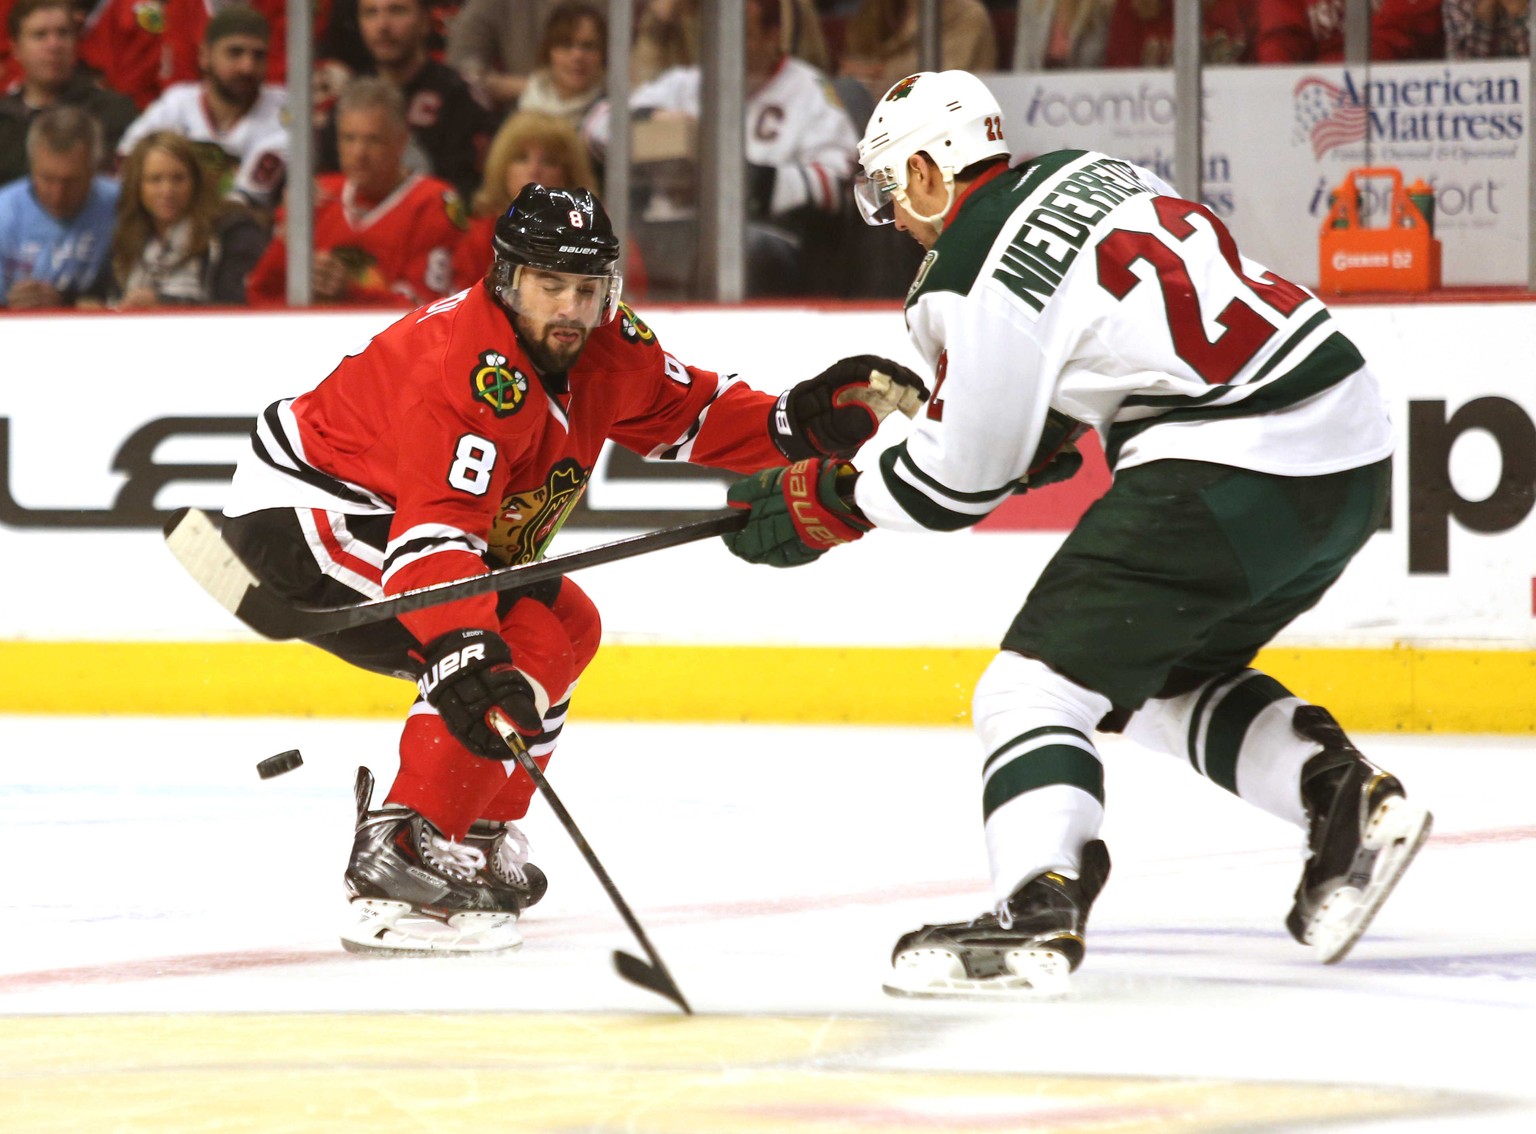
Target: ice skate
x,y
1363,834
1025,950
416,893
506,853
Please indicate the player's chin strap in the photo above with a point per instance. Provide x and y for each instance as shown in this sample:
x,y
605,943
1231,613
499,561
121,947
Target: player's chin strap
x,y
936,219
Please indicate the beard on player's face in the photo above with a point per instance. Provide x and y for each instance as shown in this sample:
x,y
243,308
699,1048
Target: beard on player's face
x,y
552,347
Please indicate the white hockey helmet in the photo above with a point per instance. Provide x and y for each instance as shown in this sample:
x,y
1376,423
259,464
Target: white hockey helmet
x,y
949,115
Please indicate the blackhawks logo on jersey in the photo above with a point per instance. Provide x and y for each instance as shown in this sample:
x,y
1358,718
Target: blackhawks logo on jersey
x,y
632,327
453,207
499,386
527,521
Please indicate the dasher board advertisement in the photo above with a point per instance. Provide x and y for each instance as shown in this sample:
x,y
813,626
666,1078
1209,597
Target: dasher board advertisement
x,y
1278,140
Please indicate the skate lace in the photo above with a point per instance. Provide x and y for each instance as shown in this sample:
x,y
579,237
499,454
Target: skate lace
x,y
458,860
512,854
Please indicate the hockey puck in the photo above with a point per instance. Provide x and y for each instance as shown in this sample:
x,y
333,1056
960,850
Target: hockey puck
x,y
277,765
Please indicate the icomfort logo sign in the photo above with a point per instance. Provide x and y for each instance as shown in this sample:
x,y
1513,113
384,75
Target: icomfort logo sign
x,y
1463,110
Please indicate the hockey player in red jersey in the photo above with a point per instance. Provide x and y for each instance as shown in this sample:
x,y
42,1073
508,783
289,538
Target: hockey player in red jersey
x,y
461,437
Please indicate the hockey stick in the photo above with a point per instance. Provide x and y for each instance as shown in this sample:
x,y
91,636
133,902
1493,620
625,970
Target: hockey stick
x,y
197,543
653,976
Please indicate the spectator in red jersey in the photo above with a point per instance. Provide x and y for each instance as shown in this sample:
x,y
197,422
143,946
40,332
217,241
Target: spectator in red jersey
x,y
529,148
176,242
383,236
125,41
449,129
1141,33
186,23
1312,31
1487,29
45,37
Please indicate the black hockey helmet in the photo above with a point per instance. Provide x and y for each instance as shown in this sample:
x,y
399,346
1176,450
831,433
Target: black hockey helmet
x,y
557,230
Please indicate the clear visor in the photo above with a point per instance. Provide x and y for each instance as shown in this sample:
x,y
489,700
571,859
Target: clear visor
x,y
564,297
875,197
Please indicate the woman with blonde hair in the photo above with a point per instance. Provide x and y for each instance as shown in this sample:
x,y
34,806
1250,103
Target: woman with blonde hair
x,y
175,242
528,147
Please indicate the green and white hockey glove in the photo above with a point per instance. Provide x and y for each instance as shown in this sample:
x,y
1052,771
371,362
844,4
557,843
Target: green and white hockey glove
x,y
797,513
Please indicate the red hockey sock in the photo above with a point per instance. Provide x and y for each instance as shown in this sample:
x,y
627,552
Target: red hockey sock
x,y
511,802
440,779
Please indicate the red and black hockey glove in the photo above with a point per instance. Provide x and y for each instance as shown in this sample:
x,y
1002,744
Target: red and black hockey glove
x,y
834,413
797,513
467,674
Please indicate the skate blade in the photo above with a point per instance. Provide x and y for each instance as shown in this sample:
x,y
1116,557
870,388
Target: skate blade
x,y
393,929
933,974
1396,832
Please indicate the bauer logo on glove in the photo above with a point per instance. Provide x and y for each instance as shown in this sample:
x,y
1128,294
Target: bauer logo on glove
x,y
449,664
834,413
796,513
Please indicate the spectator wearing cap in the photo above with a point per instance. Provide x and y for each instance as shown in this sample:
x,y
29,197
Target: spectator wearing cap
x,y
186,27
232,111
56,223
45,41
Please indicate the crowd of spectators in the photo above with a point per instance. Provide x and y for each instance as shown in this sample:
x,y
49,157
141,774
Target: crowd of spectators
x,y
143,143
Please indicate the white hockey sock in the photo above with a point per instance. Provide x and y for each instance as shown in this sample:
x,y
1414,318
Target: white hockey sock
x,y
1235,731
1042,782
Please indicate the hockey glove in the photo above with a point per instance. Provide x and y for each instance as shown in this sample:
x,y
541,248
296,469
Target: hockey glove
x,y
1056,457
467,674
797,513
834,413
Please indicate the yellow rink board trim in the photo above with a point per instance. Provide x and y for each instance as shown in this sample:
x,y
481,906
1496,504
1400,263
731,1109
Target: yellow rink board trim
x,y
646,1074
1375,690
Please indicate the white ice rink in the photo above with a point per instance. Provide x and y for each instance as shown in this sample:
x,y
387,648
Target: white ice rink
x,y
170,960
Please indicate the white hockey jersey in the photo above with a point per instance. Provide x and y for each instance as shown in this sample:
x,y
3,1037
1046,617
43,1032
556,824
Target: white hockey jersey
x,y
183,110
795,123
1083,283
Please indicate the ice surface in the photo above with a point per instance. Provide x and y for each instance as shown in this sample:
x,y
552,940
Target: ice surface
x,y
170,960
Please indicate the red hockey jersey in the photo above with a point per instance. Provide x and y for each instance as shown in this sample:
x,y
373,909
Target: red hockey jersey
x,y
125,41
443,421
398,252
1312,31
186,22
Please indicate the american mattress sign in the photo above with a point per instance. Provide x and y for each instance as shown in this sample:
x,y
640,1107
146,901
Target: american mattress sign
x,y
1279,139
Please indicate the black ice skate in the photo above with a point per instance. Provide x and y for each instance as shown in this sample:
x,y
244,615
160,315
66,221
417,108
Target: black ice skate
x,y
415,892
1026,949
506,853
1363,833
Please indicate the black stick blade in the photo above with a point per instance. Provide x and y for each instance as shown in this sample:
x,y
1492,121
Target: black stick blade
x,y
650,977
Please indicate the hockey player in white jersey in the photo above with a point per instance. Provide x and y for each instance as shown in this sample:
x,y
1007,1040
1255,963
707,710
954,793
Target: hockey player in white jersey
x,y
1251,453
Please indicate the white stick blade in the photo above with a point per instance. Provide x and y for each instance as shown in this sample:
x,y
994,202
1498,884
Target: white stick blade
x,y
198,546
